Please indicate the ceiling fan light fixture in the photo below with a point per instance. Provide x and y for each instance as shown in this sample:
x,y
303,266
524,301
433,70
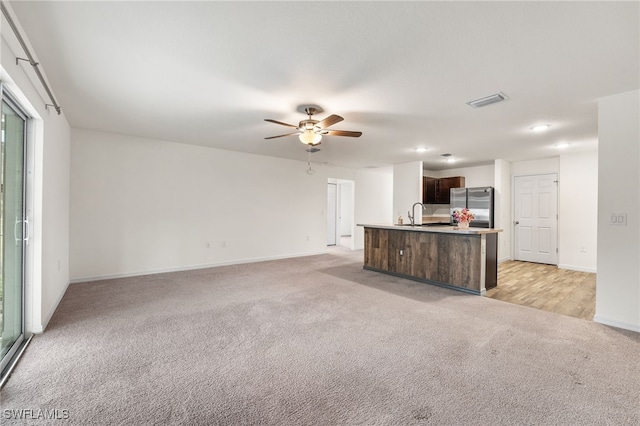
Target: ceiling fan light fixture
x,y
310,131
309,137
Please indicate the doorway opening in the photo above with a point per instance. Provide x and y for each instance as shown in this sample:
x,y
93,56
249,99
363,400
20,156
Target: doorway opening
x,y
14,231
340,213
533,278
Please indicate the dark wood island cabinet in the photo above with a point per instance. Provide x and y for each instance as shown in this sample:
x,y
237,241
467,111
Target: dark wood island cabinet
x,y
461,259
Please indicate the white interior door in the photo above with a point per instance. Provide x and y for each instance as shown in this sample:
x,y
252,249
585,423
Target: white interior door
x,y
332,213
536,218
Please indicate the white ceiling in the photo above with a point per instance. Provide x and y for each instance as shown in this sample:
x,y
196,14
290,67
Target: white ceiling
x,y
208,73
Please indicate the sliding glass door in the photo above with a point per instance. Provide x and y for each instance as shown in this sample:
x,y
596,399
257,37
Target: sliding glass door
x,y
14,229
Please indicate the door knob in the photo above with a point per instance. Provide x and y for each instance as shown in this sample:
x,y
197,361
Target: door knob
x,y
516,222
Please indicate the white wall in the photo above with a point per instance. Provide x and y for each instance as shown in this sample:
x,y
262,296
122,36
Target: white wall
x,y
535,167
473,176
578,211
373,200
345,204
502,207
142,206
47,266
407,190
618,279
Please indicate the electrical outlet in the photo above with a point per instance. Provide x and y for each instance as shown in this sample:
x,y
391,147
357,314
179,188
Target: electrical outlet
x,y
583,249
618,219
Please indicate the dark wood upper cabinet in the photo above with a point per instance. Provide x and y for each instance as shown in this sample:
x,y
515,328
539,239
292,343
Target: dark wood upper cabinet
x,y
446,184
436,190
429,190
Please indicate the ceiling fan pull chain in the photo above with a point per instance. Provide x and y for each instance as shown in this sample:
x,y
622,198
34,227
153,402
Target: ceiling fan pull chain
x,y
310,171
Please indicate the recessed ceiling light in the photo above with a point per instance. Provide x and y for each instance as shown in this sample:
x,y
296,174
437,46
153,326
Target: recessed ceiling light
x,y
420,149
562,145
540,127
449,158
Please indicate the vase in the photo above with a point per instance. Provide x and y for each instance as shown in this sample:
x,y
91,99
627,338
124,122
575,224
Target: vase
x,y
463,225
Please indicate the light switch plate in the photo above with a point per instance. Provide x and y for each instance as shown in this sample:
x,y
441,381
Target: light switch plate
x,y
618,219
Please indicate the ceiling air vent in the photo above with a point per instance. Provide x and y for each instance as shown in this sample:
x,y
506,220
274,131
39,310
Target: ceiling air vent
x,y
488,100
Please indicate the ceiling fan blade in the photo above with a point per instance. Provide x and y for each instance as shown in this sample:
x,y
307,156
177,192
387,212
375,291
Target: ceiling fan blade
x,y
281,136
342,133
280,123
330,121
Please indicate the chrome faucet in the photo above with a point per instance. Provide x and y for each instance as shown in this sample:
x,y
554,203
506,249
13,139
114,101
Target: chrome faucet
x,y
413,210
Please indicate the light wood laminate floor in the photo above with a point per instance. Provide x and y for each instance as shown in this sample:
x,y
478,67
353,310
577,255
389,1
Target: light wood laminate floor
x,y
547,288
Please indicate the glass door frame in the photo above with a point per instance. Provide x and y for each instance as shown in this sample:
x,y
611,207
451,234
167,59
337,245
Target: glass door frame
x,y
7,360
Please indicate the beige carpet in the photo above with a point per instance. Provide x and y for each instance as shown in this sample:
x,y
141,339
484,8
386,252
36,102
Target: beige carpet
x,y
317,341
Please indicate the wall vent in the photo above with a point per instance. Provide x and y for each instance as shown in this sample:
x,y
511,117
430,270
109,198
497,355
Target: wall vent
x,y
488,100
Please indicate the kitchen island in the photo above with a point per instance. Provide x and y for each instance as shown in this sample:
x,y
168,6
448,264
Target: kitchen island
x,y
460,259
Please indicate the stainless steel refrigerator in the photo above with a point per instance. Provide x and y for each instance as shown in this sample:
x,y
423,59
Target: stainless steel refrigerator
x,y
478,200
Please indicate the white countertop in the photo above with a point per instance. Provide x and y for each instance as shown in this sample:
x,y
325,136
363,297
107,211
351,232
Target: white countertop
x,y
444,229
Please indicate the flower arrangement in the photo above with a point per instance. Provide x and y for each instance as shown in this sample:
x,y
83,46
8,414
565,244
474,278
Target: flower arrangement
x,y
464,215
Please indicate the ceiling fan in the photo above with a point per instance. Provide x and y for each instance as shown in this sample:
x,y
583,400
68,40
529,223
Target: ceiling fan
x,y
310,131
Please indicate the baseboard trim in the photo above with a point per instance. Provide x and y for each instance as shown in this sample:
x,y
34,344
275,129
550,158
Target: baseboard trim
x,y
504,259
601,319
39,328
189,268
577,268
